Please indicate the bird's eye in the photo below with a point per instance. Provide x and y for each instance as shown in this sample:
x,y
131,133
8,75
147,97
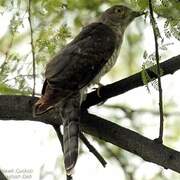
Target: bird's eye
x,y
120,12
117,10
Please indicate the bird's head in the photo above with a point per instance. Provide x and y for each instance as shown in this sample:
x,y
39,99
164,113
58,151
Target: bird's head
x,y
119,17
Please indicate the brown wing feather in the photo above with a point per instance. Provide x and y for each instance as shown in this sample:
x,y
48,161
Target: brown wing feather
x,y
81,60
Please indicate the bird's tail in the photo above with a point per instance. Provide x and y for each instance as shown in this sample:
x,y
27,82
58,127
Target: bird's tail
x,y
71,118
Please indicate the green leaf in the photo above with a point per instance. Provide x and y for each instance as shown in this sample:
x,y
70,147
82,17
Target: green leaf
x,y
5,89
143,4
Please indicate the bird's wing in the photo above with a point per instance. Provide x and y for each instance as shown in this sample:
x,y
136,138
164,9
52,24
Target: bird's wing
x,y
81,60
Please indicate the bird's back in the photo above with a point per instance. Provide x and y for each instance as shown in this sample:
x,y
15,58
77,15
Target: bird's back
x,y
82,59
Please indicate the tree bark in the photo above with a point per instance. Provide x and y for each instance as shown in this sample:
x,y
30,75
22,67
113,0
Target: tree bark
x,y
20,108
2,176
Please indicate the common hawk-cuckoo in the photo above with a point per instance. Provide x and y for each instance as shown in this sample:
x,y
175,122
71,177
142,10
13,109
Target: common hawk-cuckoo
x,y
80,64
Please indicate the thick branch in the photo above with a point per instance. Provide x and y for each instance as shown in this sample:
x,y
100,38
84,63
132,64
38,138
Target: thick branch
x,y
131,141
2,176
134,81
20,108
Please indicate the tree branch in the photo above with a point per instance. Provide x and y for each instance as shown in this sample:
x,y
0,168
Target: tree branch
x,y
168,67
2,176
20,108
131,141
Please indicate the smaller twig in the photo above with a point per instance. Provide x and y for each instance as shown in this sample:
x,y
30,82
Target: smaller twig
x,y
7,52
59,135
2,176
18,76
160,138
32,47
92,149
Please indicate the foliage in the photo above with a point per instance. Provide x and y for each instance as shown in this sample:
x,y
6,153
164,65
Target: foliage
x,y
53,23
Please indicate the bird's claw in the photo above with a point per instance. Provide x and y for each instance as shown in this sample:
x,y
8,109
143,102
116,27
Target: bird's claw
x,y
98,89
98,93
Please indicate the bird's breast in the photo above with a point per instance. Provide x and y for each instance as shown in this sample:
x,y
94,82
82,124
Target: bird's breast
x,y
107,67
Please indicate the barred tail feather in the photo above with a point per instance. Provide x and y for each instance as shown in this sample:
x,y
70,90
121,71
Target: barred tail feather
x,y
70,146
71,117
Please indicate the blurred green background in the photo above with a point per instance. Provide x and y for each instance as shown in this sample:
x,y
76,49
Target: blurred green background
x,y
54,24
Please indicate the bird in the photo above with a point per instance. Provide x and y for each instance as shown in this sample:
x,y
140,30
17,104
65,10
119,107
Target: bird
x,y
79,65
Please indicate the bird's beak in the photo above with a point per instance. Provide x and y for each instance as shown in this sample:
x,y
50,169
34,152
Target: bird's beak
x,y
136,14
